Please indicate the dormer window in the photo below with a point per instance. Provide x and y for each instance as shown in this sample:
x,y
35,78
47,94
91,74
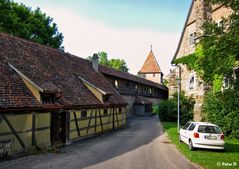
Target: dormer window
x,y
105,98
48,98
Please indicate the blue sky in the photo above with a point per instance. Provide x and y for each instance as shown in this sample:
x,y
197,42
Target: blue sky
x,y
151,14
123,28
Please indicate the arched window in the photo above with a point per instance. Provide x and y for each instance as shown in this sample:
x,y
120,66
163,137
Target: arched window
x,y
192,82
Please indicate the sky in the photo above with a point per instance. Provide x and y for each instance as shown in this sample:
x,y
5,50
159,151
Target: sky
x,y
125,29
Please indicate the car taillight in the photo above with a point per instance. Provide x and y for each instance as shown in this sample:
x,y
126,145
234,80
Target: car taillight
x,y
222,137
196,135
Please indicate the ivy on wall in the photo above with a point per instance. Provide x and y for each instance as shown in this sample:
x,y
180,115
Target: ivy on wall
x,y
217,53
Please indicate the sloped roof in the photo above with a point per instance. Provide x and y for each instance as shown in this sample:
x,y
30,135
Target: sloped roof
x,y
13,91
150,65
125,75
53,70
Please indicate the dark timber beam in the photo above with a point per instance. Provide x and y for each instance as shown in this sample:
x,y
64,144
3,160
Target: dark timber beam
x,y
13,131
117,119
77,126
95,120
113,119
91,114
33,129
109,118
101,124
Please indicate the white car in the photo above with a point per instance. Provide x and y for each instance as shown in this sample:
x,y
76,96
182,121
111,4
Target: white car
x,y
202,135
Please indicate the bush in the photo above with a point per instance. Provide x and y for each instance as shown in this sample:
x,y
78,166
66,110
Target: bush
x,y
168,109
155,109
222,109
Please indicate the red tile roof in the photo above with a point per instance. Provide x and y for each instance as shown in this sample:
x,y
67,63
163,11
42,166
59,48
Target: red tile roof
x,y
13,91
52,71
150,65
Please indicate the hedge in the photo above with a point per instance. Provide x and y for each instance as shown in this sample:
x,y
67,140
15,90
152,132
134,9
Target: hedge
x,y
222,108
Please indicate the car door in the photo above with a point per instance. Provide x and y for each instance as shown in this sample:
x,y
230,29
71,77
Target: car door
x,y
183,132
190,131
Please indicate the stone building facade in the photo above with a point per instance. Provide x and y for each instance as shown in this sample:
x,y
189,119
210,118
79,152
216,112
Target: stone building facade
x,y
199,12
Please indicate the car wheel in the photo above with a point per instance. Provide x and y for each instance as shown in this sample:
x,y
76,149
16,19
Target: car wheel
x,y
190,145
179,138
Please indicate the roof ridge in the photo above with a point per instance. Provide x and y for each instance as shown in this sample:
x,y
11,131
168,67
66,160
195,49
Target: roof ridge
x,y
139,77
155,60
39,45
28,41
150,64
115,69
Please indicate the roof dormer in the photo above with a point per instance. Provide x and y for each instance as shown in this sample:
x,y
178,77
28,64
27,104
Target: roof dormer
x,y
101,95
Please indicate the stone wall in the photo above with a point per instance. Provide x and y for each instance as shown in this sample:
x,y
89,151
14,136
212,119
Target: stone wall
x,y
172,85
130,106
197,92
155,77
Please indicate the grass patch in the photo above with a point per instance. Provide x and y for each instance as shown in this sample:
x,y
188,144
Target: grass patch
x,y
209,159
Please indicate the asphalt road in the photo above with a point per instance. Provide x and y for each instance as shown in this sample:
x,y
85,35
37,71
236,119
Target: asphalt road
x,y
143,145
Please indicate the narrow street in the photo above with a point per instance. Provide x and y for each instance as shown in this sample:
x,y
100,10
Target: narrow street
x,y
143,145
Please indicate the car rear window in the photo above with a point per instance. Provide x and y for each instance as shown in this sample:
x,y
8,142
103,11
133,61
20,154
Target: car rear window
x,y
209,129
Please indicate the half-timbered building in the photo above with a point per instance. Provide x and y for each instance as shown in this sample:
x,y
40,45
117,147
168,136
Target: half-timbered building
x,y
48,97
52,98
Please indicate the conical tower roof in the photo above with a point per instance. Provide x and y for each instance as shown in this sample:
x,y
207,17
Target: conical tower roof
x,y
150,65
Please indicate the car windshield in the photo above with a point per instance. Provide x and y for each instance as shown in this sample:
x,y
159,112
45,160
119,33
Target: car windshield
x,y
209,129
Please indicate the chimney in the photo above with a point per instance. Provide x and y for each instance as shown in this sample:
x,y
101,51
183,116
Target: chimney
x,y
95,64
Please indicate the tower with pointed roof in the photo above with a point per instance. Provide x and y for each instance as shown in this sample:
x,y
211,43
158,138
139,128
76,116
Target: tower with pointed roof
x,y
151,70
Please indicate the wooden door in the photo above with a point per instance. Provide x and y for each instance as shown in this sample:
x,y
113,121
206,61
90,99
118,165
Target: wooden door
x,y
58,128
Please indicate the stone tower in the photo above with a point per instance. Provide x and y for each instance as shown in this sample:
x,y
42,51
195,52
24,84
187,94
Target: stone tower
x,y
151,70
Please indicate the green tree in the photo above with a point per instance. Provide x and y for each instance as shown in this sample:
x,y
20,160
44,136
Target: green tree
x,y
103,58
118,64
19,20
167,110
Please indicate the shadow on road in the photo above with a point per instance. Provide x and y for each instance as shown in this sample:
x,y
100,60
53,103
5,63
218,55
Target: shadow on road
x,y
140,131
